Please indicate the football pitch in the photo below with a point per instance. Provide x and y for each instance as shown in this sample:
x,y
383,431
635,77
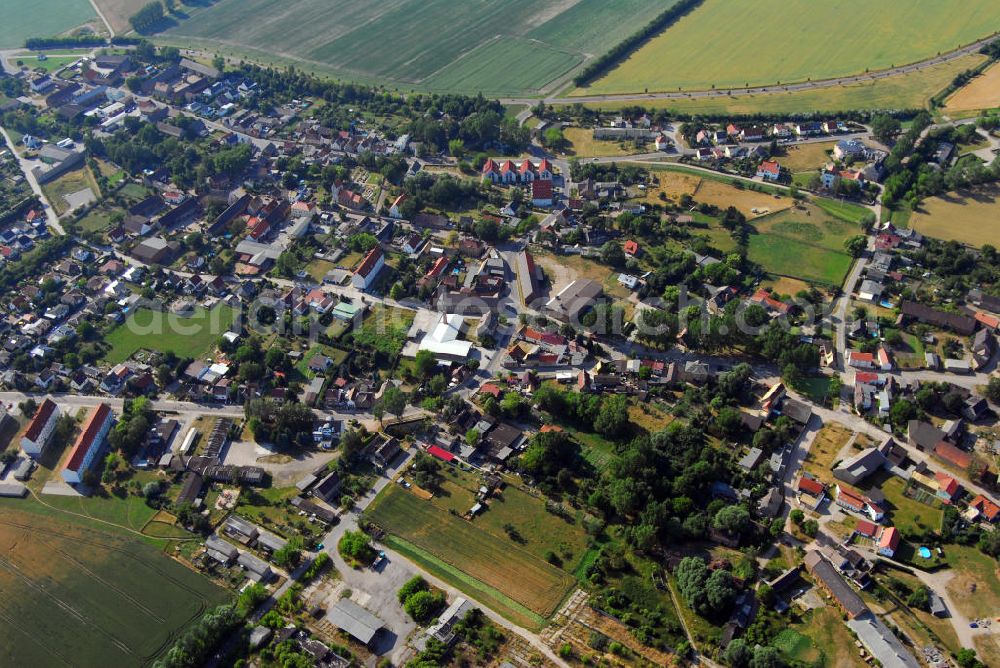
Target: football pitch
x,y
515,47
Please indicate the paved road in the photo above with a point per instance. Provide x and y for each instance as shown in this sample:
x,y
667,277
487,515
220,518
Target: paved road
x,y
26,166
758,90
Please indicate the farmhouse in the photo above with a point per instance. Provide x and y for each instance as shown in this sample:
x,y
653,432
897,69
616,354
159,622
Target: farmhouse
x,y
40,429
88,443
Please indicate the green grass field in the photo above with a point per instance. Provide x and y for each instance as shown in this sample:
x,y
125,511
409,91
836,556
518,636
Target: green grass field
x,y
188,337
514,47
74,595
29,18
796,40
806,243
475,549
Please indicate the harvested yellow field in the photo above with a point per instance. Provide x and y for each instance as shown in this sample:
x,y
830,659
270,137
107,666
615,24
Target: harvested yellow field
x,y
969,217
750,203
673,185
983,92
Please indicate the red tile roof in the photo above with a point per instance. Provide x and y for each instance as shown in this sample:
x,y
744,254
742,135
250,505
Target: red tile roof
x,y
889,538
440,453
949,453
866,528
549,338
368,264
810,486
541,189
85,441
988,320
491,388
40,419
764,298
989,509
438,267
770,167
947,484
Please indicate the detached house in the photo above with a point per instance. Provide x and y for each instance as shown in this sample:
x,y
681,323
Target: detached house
x,y
769,170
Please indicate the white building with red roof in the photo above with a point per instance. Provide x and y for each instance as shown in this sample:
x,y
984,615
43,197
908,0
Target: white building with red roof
x,y
41,428
366,273
769,170
88,444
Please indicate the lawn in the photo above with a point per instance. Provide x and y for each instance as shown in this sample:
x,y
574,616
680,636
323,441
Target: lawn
x,y
193,336
823,41
903,512
50,64
31,18
823,453
969,217
805,243
384,329
317,269
95,221
101,598
819,637
583,144
514,47
973,568
784,256
806,157
983,92
475,547
910,90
